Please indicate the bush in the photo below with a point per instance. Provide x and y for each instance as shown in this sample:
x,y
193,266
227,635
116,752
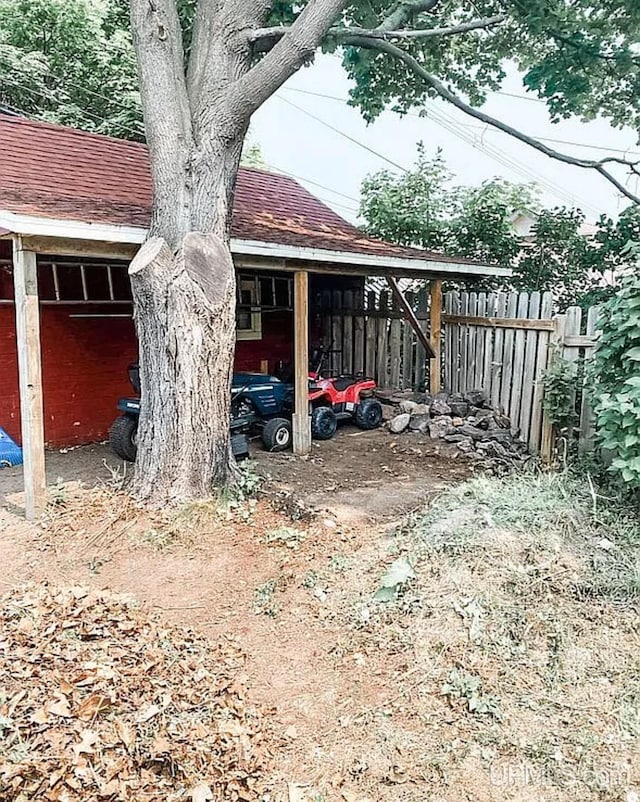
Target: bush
x,y
616,381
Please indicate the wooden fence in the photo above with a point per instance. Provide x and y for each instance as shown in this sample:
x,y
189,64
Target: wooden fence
x,y
499,342
368,334
503,342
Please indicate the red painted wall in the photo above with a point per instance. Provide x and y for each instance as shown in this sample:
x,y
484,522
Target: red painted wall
x,y
84,368
84,364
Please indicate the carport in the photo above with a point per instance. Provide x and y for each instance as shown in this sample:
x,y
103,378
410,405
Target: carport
x,y
87,197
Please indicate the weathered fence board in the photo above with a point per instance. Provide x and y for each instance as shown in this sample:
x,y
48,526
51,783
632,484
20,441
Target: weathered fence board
x,y
501,343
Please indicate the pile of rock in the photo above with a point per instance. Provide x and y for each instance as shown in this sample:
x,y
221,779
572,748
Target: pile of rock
x,y
464,419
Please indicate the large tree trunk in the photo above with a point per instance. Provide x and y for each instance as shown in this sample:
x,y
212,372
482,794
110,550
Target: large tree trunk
x,y
182,278
185,319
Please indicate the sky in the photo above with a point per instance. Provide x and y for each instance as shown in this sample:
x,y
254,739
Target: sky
x,y
332,166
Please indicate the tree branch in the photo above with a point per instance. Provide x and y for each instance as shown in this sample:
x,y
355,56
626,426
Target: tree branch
x,y
381,33
404,12
447,94
296,46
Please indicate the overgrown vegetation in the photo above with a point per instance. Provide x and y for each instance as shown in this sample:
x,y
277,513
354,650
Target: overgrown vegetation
x,y
616,381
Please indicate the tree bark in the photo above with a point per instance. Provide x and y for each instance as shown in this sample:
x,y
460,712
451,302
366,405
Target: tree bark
x,y
185,319
182,278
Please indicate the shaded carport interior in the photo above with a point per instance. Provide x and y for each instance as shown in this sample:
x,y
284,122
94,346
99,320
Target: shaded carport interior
x,y
288,231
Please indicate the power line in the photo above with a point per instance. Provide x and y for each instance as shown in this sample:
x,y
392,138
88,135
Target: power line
x,y
343,134
454,127
475,126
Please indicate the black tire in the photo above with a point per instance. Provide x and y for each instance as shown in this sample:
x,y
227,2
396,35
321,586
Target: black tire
x,y
276,434
123,437
368,414
323,423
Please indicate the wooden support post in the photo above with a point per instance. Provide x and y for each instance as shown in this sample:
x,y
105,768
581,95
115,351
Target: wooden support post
x,y
25,282
435,317
301,417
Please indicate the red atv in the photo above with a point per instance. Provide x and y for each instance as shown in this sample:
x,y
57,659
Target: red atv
x,y
335,398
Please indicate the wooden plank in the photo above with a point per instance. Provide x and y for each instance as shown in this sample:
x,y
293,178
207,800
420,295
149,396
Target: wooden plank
x,y
395,352
336,333
25,279
407,347
358,343
548,434
507,356
500,322
347,334
435,329
542,350
518,365
382,364
454,359
497,352
301,418
488,346
464,342
585,341
411,316
446,354
371,336
471,347
529,366
480,341
422,310
587,427
573,327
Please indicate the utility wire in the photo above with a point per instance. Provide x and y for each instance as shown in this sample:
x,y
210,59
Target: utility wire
x,y
343,134
475,126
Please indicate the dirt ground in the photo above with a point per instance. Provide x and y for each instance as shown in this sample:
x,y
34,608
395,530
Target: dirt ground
x,y
355,688
359,475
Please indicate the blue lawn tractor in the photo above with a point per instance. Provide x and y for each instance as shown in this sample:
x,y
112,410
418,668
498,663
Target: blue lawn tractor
x,y
261,405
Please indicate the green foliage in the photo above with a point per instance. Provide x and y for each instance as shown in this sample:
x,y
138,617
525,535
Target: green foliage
x,y
559,382
425,208
616,381
70,62
579,57
460,685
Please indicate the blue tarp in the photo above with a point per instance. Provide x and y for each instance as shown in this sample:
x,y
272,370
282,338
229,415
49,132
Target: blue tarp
x,y
10,453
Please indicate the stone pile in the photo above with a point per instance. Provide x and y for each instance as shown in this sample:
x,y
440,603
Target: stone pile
x,y
466,420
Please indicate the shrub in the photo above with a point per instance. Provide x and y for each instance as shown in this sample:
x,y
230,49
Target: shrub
x,y
616,381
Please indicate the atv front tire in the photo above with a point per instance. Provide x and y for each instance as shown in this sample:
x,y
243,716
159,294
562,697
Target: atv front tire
x,y
368,414
123,437
276,435
323,423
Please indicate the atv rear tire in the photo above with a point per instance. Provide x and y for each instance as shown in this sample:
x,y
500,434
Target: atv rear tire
x,y
368,414
123,437
276,434
323,423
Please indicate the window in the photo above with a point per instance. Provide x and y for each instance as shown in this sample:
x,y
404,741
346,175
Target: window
x,y
67,281
248,315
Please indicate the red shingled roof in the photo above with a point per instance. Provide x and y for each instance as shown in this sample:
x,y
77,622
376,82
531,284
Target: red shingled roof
x,y
55,172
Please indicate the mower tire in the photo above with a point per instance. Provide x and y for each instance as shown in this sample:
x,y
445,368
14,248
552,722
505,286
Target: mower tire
x,y
368,414
323,423
123,437
276,434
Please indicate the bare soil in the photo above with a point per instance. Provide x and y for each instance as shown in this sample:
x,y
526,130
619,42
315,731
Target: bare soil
x,y
357,686
358,475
